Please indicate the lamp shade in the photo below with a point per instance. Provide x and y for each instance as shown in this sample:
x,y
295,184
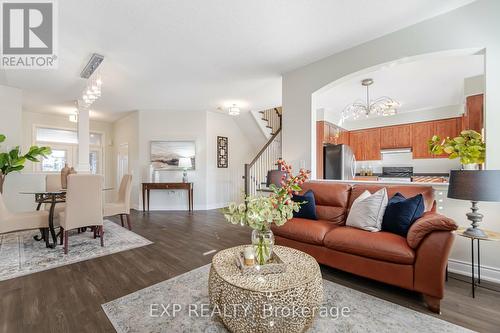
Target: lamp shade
x,y
185,162
475,185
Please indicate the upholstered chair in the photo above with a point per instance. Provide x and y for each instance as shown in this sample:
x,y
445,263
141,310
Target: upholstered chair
x,y
83,206
53,184
122,205
10,222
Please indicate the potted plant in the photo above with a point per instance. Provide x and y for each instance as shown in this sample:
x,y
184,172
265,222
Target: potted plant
x,y
469,146
259,212
14,161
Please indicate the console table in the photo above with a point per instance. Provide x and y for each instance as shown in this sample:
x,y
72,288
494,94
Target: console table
x,y
147,187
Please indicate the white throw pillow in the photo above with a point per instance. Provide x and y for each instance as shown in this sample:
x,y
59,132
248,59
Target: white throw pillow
x,y
367,211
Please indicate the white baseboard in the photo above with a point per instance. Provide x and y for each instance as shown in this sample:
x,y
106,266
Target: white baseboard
x,y
488,273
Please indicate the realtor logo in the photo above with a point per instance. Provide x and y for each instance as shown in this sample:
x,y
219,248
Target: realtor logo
x,y
28,34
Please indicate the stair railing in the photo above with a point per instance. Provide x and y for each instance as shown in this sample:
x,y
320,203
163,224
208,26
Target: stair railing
x,y
256,170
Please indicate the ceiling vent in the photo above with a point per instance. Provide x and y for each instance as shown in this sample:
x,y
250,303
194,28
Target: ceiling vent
x,y
94,62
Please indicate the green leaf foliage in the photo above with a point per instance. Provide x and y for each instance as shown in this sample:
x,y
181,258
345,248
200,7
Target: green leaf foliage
x,y
14,160
469,147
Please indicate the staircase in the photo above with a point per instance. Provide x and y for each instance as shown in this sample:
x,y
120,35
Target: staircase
x,y
256,171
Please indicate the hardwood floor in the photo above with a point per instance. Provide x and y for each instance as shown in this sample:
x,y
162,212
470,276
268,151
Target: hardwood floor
x,y
69,298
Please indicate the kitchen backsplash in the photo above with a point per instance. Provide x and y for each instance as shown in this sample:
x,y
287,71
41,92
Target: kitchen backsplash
x,y
432,165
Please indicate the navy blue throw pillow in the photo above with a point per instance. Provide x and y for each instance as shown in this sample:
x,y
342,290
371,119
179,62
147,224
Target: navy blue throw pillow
x,y
308,208
401,213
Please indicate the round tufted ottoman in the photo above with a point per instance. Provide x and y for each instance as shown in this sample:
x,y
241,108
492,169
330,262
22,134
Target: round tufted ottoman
x,y
283,302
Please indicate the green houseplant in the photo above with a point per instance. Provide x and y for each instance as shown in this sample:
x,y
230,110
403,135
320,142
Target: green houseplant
x,y
469,146
13,160
259,212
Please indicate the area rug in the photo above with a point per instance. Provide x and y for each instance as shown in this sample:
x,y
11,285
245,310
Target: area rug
x,y
20,254
152,310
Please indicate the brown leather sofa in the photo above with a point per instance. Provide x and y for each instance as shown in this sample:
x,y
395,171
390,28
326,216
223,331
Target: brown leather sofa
x,y
417,262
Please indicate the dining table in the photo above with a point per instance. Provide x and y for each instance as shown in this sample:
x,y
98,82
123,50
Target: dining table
x,y
51,198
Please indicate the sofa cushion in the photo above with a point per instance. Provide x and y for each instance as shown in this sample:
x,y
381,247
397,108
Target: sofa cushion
x,y
381,245
304,230
368,210
401,213
308,207
331,200
406,190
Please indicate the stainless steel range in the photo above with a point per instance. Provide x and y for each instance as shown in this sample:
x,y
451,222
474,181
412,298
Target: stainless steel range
x,y
396,174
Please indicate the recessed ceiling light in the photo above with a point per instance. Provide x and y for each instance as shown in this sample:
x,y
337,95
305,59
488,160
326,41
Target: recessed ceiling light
x,y
234,110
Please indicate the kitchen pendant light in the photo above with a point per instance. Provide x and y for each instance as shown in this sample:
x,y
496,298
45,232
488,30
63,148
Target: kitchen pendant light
x,y
382,106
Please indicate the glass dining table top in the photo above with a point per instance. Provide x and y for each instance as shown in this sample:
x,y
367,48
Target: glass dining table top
x,y
61,191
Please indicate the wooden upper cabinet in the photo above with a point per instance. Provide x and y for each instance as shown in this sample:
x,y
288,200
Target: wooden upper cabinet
x,y
395,137
372,145
402,135
365,144
447,128
421,133
343,138
387,137
356,142
473,117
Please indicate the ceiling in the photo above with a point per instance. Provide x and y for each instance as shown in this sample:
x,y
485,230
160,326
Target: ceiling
x,y
200,55
420,85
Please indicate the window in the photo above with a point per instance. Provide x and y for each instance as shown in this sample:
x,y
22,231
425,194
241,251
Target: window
x,y
64,144
55,161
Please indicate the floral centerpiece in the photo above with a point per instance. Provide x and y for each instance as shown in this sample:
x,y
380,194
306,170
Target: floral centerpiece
x,y
259,212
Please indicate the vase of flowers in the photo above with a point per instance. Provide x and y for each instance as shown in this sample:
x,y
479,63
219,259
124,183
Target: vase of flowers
x,y
260,212
263,242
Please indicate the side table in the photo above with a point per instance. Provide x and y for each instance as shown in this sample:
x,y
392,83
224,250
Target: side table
x,y
492,236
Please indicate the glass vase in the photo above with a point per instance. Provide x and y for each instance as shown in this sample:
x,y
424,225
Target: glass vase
x,y
262,241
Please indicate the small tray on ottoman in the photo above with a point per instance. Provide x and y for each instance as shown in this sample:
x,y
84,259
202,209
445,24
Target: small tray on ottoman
x,y
274,266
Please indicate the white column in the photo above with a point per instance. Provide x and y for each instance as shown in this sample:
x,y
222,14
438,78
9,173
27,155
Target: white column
x,y
83,141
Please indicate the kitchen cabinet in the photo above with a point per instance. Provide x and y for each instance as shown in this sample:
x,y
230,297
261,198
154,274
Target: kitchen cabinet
x,y
395,137
356,139
447,128
420,135
473,117
365,144
320,139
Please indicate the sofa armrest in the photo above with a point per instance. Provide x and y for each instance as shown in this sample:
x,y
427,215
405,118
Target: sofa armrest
x,y
430,263
427,224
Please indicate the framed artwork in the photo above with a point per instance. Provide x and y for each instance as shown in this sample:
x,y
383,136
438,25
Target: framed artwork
x,y
222,152
173,155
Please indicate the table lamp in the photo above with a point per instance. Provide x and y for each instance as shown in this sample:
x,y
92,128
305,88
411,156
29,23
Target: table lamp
x,y
475,185
185,163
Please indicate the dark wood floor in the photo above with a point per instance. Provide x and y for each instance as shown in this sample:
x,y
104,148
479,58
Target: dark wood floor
x,y
69,298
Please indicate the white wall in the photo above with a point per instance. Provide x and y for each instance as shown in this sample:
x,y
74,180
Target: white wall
x,y
174,126
10,113
472,26
213,187
126,131
225,185
10,125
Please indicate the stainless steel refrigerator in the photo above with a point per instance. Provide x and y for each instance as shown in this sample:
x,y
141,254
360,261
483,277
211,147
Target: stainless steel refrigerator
x,y
338,162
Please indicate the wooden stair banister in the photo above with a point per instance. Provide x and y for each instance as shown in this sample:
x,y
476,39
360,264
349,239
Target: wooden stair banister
x,y
256,170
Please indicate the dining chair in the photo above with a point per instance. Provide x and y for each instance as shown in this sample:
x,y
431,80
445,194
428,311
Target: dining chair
x,y
53,184
10,222
83,206
122,205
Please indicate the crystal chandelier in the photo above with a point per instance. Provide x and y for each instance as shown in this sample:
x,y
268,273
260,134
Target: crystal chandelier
x,y
382,106
92,91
